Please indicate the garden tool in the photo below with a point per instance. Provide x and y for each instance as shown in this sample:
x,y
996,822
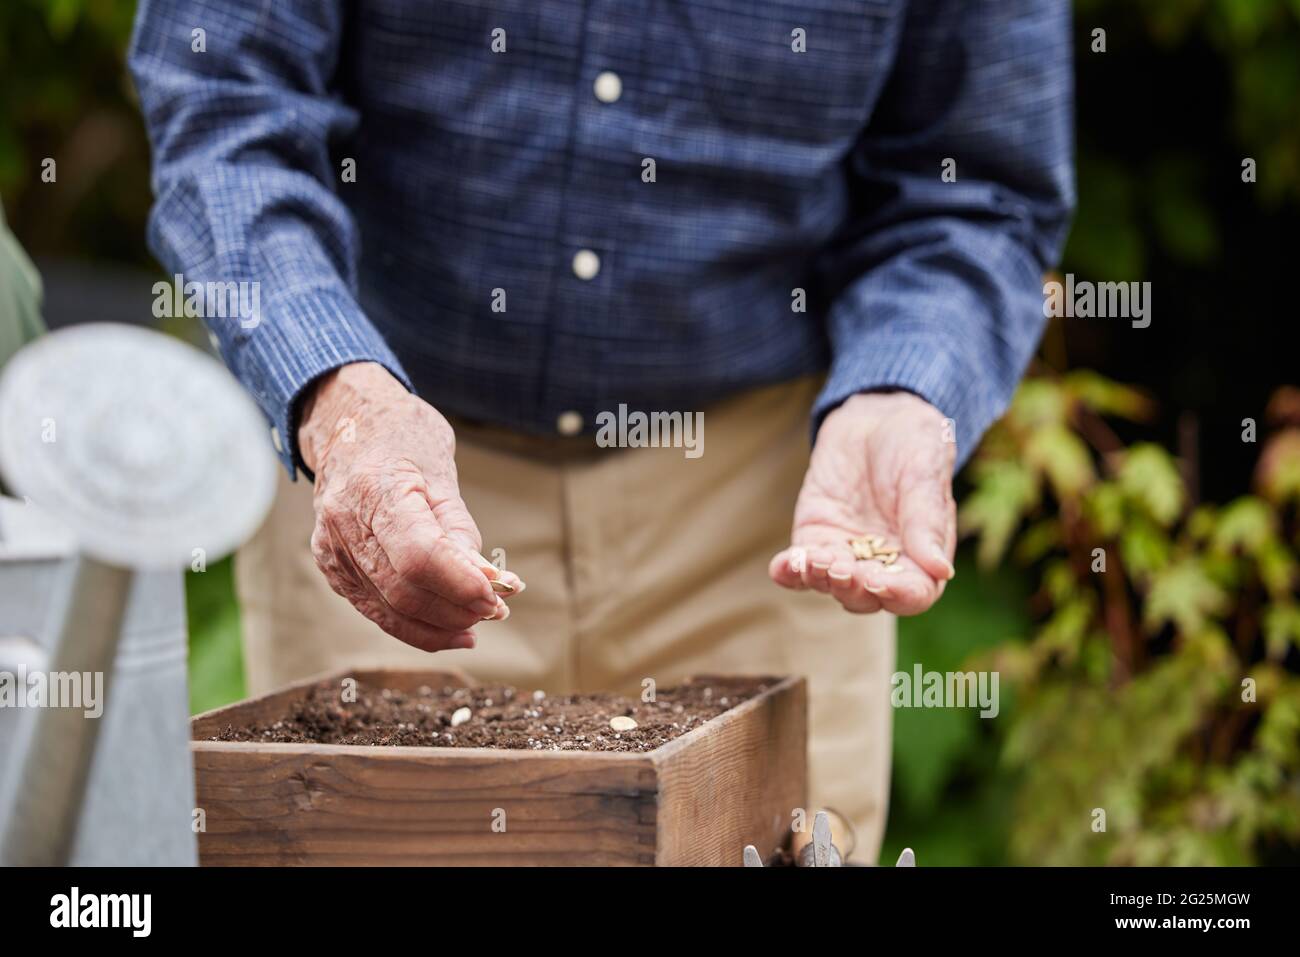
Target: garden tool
x,y
821,852
152,458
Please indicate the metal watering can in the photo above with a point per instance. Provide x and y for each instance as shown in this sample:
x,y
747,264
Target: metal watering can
x,y
135,456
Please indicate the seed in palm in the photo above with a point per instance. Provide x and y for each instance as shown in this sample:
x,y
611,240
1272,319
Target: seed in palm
x,y
874,548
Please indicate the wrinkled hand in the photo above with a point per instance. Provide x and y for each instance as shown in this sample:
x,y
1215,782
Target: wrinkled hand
x,y
883,466
392,534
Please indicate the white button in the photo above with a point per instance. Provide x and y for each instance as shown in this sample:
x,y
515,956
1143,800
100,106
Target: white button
x,y
569,423
275,440
585,264
608,87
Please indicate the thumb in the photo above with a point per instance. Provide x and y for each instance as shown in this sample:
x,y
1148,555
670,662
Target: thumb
x,y
927,518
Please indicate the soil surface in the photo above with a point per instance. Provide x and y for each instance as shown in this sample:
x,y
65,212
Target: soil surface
x,y
499,717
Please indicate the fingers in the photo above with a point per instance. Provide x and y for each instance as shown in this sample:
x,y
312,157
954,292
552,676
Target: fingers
x,y
862,587
821,569
514,582
848,587
786,568
423,605
419,634
816,570
348,580
424,556
908,591
358,562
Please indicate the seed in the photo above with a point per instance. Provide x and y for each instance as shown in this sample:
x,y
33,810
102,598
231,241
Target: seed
x,y
539,695
874,548
460,716
862,548
622,723
502,588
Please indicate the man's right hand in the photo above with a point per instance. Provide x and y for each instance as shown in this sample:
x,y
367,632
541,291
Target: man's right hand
x,y
392,534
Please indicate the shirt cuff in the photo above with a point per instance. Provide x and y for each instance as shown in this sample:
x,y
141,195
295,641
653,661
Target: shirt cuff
x,y
299,339
921,364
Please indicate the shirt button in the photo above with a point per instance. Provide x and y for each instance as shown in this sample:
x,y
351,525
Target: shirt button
x,y
608,87
586,264
569,423
275,440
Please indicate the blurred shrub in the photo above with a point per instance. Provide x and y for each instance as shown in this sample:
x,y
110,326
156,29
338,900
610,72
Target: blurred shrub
x,y
65,95
949,800
1161,685
1184,92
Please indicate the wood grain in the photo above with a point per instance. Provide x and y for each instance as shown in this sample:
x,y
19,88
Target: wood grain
x,y
737,783
697,800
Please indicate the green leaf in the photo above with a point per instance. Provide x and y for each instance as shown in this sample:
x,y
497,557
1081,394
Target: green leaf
x,y
1182,594
1245,524
1201,523
1039,402
1065,631
1104,507
1281,629
1144,547
1148,475
1063,458
1277,569
1004,493
1106,397
1038,541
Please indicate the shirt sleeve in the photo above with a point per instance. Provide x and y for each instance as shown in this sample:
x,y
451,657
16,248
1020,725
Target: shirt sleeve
x,y
20,295
237,102
963,188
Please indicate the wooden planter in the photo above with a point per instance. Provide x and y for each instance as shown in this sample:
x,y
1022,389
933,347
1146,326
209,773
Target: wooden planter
x,y
697,800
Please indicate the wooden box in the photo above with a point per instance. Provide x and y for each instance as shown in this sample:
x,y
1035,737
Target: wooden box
x,y
697,800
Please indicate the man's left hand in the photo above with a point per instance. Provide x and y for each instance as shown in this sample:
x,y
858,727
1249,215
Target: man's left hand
x,y
882,466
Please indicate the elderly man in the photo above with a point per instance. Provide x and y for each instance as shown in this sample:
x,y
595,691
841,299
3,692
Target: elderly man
x,y
20,295
481,228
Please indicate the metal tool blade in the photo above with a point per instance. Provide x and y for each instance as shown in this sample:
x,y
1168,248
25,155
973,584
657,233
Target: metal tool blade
x,y
821,841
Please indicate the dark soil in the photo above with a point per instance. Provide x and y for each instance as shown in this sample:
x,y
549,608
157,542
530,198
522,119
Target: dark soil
x,y
500,717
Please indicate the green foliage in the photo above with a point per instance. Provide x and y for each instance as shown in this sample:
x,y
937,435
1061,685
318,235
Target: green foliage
x,y
1210,781
216,658
65,95
1169,201
1161,683
947,801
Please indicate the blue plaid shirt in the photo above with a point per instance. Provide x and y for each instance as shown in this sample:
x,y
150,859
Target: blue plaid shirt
x,y
531,208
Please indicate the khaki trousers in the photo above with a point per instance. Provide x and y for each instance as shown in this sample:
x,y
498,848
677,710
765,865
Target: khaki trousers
x,y
639,563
